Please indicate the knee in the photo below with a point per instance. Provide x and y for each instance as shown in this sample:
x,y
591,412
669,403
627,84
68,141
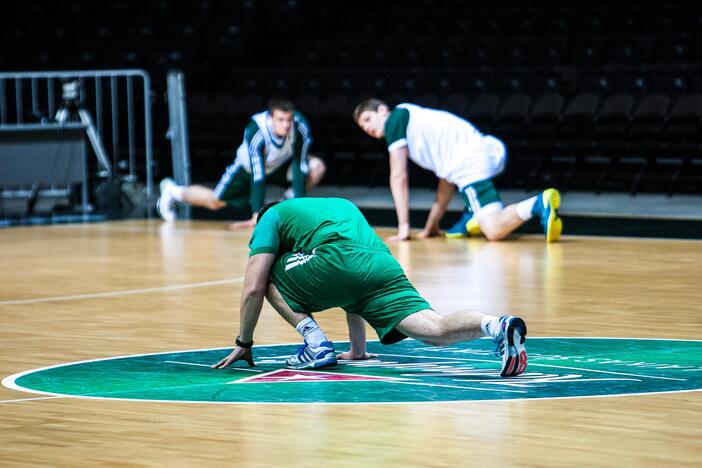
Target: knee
x,y
492,229
215,204
317,168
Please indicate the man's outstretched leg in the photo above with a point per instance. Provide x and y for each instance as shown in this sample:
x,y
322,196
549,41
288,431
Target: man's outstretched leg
x,y
508,333
317,351
193,195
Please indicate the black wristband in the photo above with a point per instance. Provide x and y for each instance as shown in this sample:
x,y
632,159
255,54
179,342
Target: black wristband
x,y
241,344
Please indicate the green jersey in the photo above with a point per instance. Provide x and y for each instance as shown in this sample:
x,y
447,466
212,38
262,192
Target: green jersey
x,y
302,224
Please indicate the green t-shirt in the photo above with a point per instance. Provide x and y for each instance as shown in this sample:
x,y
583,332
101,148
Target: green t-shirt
x,y
301,224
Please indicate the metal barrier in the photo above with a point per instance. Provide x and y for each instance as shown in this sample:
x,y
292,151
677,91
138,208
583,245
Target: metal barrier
x,y
58,99
178,134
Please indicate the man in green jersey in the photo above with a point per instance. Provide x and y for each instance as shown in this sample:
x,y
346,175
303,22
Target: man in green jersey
x,y
274,149
460,156
311,254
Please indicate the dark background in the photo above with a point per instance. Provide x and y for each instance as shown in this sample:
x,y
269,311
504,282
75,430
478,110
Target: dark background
x,y
595,96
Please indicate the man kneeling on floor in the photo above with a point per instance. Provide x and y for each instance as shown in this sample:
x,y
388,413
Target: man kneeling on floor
x,y
311,254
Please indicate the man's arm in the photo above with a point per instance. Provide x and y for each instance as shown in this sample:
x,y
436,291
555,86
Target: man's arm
x,y
399,186
357,339
255,143
258,270
300,159
444,192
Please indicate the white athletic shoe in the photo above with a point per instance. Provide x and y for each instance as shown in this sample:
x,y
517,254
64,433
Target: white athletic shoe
x,y
313,358
166,203
510,346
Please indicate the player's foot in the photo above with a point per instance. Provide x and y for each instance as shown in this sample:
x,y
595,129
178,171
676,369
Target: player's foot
x,y
510,345
166,203
546,207
464,227
308,357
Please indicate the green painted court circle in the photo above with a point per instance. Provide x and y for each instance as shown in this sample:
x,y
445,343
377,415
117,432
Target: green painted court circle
x,y
405,372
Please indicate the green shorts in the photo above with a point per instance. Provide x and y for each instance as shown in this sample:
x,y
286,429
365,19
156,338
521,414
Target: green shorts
x,y
369,283
234,188
477,195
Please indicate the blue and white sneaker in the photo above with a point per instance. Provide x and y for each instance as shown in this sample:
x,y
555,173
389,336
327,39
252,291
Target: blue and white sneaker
x,y
546,207
313,358
510,345
166,203
466,226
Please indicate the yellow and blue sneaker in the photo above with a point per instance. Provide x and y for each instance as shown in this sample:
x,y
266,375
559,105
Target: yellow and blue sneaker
x,y
546,208
466,226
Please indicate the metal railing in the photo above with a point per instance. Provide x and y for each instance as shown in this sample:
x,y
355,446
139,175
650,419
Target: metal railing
x,y
119,100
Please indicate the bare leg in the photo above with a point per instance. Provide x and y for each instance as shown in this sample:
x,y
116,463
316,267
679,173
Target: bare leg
x,y
435,329
282,307
316,172
197,195
499,224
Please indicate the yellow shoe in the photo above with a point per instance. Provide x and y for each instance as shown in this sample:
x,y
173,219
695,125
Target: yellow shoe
x,y
547,207
464,227
473,227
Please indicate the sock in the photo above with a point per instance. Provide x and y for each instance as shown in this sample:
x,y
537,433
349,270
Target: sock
x,y
288,194
490,325
314,336
525,208
177,192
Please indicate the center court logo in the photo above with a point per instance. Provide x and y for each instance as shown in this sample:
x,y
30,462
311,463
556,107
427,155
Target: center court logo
x,y
406,372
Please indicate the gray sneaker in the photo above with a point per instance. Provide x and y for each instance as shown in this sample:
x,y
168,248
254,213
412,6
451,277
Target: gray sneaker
x,y
313,358
166,203
510,345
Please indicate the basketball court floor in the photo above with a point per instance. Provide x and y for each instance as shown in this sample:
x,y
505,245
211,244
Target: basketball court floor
x,y
108,330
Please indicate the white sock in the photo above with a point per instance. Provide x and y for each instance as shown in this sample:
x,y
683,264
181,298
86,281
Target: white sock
x,y
310,331
177,192
288,194
490,325
524,208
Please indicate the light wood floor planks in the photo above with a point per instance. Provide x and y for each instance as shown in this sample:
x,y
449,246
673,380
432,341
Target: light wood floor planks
x,y
77,292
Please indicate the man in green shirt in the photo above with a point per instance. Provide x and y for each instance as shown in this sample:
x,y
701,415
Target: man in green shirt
x,y
456,152
274,149
311,254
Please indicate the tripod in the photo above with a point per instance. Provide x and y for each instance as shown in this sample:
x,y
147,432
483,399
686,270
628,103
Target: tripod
x,y
73,110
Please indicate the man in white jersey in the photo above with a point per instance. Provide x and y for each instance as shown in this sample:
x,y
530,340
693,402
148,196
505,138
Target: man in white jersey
x,y
275,146
461,157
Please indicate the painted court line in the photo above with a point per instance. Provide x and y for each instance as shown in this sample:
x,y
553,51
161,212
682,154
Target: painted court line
x,y
127,292
461,387
532,363
207,365
33,399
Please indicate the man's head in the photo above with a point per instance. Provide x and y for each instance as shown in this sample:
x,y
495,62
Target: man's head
x,y
371,115
265,208
281,111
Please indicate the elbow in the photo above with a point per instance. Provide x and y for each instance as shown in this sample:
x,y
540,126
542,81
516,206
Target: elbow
x,y
398,178
255,290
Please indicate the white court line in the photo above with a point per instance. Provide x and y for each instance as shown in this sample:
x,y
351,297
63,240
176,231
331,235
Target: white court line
x,y
532,363
207,365
127,292
461,388
33,399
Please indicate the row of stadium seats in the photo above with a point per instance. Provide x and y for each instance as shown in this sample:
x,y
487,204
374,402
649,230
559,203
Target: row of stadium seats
x,y
543,131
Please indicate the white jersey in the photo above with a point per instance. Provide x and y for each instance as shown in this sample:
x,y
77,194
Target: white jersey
x,y
262,152
445,144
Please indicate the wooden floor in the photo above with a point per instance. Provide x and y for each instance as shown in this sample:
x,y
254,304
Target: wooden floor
x,y
78,292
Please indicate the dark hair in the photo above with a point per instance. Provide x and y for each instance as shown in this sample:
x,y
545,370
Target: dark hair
x,y
280,103
367,105
263,210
